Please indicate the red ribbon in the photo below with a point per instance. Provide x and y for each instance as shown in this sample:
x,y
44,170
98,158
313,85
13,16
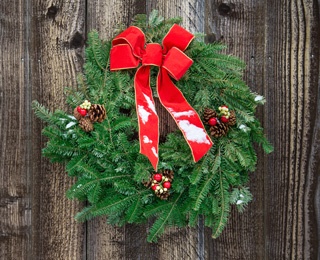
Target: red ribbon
x,y
129,49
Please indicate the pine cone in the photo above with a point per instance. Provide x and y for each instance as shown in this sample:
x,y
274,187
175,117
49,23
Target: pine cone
x,y
97,113
168,174
209,113
76,114
148,183
232,118
220,129
86,124
163,195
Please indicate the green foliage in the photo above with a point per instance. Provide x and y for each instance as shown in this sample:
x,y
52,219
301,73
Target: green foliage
x,y
106,163
240,196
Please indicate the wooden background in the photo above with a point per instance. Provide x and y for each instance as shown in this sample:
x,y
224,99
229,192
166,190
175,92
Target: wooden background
x,y
41,52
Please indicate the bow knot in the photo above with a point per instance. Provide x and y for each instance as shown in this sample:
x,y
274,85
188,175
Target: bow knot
x,y
129,49
152,55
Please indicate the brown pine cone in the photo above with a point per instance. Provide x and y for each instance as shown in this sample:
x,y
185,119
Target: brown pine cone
x,y
97,113
163,195
148,183
76,114
232,118
86,124
209,113
220,129
168,174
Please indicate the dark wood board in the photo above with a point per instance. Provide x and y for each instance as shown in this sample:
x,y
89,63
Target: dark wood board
x,y
15,174
57,32
279,42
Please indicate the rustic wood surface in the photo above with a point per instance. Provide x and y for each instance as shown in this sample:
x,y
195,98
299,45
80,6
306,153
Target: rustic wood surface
x,y
56,56
15,173
41,51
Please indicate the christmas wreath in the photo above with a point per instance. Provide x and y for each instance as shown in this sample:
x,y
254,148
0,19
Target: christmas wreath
x,y
111,143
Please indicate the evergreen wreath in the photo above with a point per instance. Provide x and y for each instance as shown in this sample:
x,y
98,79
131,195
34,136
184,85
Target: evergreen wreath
x,y
99,143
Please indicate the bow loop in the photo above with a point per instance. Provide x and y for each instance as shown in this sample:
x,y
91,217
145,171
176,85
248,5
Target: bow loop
x,y
134,37
126,58
176,63
128,50
177,37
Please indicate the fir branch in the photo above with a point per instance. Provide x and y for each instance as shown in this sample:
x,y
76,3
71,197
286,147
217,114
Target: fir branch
x,y
133,212
87,170
95,193
200,193
74,163
156,209
84,184
109,205
241,198
197,173
224,208
95,47
158,227
43,113
155,19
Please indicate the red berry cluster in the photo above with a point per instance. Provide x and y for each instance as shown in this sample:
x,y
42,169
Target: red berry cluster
x,y
160,183
84,108
82,111
224,116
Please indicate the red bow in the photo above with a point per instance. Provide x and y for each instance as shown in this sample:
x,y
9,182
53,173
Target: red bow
x,y
129,49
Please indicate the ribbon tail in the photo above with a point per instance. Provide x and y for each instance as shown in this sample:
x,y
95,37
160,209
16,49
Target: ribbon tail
x,y
184,115
147,116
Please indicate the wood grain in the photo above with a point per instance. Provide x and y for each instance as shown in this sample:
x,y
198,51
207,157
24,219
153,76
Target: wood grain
x,y
57,43
278,41
240,25
178,243
15,192
292,77
104,241
191,12
106,16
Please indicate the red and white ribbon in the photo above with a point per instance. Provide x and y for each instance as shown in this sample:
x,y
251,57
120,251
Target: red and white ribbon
x,y
129,50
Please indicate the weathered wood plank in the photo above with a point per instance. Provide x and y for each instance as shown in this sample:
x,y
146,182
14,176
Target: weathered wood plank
x,y
178,243
240,24
292,74
278,41
106,16
15,208
104,241
57,47
192,12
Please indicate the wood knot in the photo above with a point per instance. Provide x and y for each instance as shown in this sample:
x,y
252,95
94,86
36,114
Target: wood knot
x,y
225,9
77,41
52,11
210,38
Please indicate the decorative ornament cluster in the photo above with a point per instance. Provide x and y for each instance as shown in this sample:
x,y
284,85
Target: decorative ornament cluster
x,y
219,122
160,183
88,113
